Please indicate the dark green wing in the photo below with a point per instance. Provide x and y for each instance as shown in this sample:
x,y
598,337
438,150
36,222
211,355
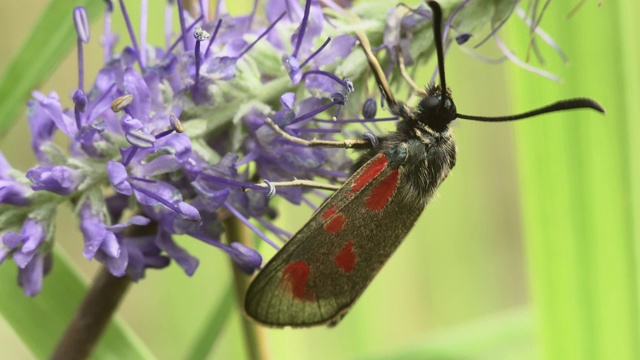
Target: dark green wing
x,y
325,267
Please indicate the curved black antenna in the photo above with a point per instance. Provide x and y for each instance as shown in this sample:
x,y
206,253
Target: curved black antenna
x,y
437,38
578,103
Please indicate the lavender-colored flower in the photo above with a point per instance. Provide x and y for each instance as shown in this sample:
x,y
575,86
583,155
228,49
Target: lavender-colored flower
x,y
11,191
178,131
28,254
30,277
246,258
100,237
27,241
61,180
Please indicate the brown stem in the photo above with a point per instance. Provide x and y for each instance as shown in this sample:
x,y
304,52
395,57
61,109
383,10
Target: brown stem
x,y
92,317
253,334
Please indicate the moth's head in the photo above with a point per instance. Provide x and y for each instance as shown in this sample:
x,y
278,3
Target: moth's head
x,y
436,109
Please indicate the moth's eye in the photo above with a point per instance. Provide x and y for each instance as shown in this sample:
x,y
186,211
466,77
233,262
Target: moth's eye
x,y
436,107
448,103
429,104
450,109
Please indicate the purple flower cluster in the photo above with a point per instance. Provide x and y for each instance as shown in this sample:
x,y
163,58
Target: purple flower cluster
x,y
169,140
125,132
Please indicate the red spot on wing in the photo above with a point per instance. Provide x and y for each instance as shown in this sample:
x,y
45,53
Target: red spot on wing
x,y
373,170
346,259
382,192
335,224
329,212
296,275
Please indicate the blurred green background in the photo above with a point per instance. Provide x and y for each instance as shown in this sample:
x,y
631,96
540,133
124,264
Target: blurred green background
x,y
528,251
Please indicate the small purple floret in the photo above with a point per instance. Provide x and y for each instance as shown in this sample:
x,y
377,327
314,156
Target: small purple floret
x,y
246,258
30,276
369,109
26,243
81,22
293,68
80,100
463,38
119,178
61,180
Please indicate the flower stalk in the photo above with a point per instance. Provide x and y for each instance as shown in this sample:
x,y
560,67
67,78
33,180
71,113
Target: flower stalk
x,y
92,317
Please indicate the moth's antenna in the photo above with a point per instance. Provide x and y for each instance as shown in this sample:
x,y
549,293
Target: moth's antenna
x,y
383,84
437,38
578,103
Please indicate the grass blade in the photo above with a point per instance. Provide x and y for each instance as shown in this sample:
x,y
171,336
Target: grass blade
x,y
41,320
575,174
505,335
214,326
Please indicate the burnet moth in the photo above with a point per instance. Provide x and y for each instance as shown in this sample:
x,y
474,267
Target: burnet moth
x,y
321,271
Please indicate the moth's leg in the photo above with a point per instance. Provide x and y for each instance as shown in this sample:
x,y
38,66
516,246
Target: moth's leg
x,y
383,84
381,79
347,144
272,185
407,78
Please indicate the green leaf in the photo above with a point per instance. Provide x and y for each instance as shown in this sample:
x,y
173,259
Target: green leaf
x,y
40,321
576,167
47,45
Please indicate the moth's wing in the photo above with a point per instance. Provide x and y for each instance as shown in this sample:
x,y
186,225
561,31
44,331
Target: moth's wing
x,y
325,267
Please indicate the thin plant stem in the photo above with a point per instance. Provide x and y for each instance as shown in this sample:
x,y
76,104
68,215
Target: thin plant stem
x,y
254,335
92,317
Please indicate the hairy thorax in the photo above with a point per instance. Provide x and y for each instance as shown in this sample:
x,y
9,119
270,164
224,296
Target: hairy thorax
x,y
431,157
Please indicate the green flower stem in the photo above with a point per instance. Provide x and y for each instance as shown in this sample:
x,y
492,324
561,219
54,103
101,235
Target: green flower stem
x,y
92,317
254,335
